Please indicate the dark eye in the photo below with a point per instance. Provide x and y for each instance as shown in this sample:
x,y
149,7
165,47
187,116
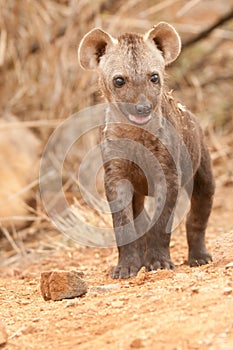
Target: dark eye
x,y
154,78
119,82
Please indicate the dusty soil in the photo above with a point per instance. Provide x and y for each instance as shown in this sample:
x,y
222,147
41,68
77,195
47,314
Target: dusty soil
x,y
190,308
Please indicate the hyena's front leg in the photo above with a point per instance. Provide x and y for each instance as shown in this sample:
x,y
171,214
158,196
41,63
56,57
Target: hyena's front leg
x,y
120,201
157,254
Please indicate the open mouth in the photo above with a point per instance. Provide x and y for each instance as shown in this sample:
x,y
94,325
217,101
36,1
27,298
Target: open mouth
x,y
139,120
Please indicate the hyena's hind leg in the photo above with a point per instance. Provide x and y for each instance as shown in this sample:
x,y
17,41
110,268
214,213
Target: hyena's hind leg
x,y
201,204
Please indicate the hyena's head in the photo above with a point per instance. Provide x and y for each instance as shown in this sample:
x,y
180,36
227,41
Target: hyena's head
x,y
131,68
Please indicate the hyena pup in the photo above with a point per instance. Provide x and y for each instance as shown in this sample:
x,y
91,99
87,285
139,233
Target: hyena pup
x,y
147,134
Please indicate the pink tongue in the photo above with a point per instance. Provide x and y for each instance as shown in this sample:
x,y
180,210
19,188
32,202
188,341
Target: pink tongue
x,y
138,120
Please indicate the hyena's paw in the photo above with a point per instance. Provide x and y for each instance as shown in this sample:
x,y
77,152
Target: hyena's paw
x,y
199,258
159,262
125,271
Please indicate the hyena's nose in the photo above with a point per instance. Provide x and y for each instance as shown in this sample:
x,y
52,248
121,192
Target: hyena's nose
x,y
143,108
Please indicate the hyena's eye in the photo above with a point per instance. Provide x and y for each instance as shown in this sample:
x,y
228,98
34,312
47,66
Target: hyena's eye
x,y
154,78
119,82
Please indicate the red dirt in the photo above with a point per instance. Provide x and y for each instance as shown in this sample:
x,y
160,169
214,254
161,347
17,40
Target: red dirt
x,y
190,308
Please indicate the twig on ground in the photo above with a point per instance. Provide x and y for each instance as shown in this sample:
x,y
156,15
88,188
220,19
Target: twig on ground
x,y
10,239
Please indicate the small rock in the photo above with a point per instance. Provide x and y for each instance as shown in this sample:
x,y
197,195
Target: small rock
x,y
58,285
141,276
227,291
70,303
195,290
36,319
136,344
3,334
126,284
228,266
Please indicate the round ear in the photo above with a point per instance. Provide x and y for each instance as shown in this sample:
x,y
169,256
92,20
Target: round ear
x,y
166,39
92,48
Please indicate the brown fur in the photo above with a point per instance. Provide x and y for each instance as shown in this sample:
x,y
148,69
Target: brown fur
x,y
136,58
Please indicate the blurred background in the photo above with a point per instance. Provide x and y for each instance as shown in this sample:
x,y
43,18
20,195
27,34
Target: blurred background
x,y
41,84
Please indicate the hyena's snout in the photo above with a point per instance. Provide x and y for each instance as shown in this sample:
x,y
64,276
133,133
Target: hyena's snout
x,y
139,113
143,108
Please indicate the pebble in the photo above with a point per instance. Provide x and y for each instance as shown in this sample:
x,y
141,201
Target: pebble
x,y
70,303
227,291
195,290
141,276
229,265
136,344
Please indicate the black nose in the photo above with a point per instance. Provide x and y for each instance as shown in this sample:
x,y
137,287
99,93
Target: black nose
x,y
143,108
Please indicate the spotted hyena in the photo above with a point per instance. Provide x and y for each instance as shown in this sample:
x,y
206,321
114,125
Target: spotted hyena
x,y
147,133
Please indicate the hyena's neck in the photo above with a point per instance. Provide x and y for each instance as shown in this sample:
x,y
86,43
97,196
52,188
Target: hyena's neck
x,y
117,126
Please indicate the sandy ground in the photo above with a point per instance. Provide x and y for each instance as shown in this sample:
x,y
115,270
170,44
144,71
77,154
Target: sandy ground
x,y
189,308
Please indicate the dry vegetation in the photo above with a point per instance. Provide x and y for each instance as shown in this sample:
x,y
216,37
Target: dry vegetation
x,y
42,84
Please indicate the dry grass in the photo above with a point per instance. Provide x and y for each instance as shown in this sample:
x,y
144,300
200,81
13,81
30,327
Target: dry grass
x,y
42,84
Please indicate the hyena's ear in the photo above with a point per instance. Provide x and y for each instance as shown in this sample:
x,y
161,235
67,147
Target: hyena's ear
x,y
92,48
167,40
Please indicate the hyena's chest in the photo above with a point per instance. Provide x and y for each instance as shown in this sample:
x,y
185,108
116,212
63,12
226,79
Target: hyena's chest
x,y
141,160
